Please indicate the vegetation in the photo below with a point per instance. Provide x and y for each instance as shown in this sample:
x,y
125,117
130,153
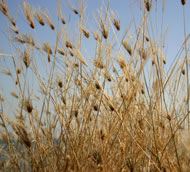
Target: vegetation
x,y
121,110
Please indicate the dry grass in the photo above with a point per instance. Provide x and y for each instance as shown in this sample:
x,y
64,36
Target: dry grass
x,y
113,112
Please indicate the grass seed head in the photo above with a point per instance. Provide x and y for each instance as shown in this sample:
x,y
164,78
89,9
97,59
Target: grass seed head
x,y
14,29
68,45
39,18
183,2
22,133
147,5
19,39
29,15
97,85
60,82
28,39
71,53
60,51
142,91
95,107
111,107
105,33
147,38
96,36
75,11
143,54
169,117
48,19
99,64
63,20
18,71
86,33
127,46
183,71
28,106
63,100
27,58
14,95
47,48
3,8
116,24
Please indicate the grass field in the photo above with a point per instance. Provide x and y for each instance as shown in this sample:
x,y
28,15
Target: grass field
x,y
122,110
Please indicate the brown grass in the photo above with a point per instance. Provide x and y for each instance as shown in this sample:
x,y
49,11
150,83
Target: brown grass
x,y
113,112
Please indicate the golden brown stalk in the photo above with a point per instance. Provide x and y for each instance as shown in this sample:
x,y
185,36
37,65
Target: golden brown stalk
x,y
29,14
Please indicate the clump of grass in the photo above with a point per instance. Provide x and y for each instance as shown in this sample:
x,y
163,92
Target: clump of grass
x,y
107,113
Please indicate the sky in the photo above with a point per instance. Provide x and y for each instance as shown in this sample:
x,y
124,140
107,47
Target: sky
x,y
125,10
